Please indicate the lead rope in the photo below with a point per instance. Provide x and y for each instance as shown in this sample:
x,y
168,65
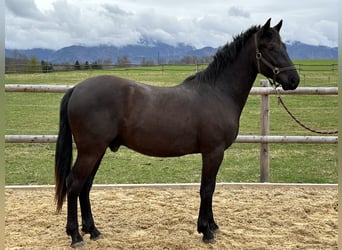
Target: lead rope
x,y
280,101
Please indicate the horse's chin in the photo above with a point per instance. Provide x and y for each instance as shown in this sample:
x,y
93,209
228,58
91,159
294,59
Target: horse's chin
x,y
291,83
289,86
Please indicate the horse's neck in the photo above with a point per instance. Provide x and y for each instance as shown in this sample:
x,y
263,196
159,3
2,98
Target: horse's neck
x,y
236,79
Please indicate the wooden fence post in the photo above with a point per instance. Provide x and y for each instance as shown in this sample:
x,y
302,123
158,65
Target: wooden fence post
x,y
264,131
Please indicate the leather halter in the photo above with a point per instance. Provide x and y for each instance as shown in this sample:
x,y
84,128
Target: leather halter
x,y
276,70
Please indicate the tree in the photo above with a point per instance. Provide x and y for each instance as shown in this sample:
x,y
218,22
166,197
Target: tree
x,y
86,65
33,64
207,59
123,61
145,62
46,67
77,65
107,61
96,65
189,60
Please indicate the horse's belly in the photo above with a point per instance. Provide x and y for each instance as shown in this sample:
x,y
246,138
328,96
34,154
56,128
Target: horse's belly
x,y
160,144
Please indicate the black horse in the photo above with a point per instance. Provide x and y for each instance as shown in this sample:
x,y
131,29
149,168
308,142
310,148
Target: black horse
x,y
200,115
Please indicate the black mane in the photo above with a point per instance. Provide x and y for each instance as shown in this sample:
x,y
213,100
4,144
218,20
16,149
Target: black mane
x,y
225,55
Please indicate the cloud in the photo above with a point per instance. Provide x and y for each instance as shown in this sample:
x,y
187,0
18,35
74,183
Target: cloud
x,y
24,9
114,10
59,23
328,31
237,12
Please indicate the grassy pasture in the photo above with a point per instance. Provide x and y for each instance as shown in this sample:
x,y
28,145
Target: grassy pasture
x,y
29,113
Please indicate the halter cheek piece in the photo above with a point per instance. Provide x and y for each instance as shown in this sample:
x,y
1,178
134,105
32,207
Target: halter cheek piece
x,y
276,71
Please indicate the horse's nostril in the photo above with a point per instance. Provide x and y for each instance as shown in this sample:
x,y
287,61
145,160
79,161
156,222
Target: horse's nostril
x,y
294,80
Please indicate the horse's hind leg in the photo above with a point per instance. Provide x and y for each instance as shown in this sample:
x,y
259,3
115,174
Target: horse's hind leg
x,y
72,224
88,225
79,175
206,223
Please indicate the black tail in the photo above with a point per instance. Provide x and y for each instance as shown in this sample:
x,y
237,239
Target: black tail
x,y
63,156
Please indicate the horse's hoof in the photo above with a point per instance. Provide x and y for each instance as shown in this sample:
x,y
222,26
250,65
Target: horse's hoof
x,y
209,241
95,234
209,238
78,244
100,236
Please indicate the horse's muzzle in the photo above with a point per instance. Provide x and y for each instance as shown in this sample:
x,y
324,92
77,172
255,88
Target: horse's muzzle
x,y
292,82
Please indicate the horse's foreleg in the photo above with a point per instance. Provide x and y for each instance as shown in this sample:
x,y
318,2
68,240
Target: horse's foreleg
x,y
206,223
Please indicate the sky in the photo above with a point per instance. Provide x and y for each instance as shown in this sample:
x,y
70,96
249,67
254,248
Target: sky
x,y
55,24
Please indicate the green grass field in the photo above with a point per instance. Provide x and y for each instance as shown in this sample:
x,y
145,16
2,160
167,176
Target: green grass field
x,y
37,113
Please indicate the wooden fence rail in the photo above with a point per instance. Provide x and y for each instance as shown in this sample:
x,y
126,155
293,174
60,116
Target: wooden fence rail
x,y
264,138
44,88
240,139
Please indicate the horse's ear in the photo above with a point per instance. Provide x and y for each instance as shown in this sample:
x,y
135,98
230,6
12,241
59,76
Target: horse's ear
x,y
266,26
278,26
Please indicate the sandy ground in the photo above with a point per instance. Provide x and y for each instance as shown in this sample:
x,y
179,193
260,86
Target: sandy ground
x,y
165,218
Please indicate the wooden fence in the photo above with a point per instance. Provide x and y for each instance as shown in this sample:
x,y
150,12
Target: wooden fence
x,y
264,138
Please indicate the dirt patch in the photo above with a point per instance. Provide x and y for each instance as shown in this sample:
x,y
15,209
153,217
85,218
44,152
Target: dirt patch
x,y
165,218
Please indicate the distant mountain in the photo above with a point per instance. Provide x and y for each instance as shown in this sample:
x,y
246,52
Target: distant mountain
x,y
298,50
206,51
20,54
153,50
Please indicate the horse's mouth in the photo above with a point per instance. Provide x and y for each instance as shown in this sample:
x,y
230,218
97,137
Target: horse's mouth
x,y
292,83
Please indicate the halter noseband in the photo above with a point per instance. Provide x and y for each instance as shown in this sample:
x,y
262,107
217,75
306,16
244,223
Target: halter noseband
x,y
275,70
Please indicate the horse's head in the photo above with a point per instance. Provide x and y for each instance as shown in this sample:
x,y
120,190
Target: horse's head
x,y
272,59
